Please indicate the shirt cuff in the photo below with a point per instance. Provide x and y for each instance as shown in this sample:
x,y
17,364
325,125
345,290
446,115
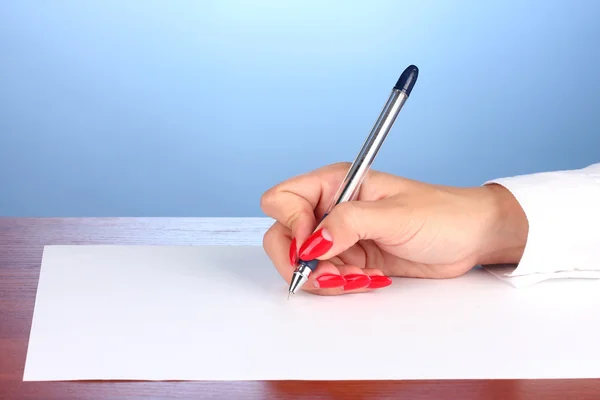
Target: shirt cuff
x,y
563,213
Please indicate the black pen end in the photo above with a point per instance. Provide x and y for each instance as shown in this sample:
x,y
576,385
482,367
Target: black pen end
x,y
407,80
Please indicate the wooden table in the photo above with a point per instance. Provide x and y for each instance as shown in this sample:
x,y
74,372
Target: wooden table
x,y
21,244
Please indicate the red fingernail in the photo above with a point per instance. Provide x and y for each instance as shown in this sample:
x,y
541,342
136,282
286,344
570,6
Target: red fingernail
x,y
316,245
356,281
329,281
379,281
293,254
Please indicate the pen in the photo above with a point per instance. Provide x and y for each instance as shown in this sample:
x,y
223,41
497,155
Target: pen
x,y
350,186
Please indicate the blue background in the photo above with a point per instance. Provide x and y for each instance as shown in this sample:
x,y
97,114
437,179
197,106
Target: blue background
x,y
194,108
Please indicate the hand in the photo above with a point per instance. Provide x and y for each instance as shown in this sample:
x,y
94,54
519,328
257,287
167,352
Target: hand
x,y
396,227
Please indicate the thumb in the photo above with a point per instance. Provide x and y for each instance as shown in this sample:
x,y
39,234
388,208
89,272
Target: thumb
x,y
345,225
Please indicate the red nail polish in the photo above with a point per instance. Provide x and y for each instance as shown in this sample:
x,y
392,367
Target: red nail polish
x,y
356,281
329,281
293,254
316,245
379,281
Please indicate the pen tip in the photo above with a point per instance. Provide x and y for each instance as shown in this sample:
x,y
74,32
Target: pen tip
x,y
289,294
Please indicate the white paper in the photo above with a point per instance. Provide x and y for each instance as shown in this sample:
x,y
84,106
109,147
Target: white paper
x,y
220,313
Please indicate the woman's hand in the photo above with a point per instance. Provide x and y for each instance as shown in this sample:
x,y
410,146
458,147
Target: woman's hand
x,y
396,227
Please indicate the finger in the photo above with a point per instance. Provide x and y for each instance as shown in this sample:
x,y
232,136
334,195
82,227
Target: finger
x,y
325,277
350,222
276,243
371,260
378,279
365,254
331,280
300,202
295,202
331,277
357,280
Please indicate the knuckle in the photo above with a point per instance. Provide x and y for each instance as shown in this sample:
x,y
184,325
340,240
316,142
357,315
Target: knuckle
x,y
350,221
347,214
343,165
282,205
291,220
267,199
335,167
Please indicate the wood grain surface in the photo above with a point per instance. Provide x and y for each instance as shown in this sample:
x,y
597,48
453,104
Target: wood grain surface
x,y
21,245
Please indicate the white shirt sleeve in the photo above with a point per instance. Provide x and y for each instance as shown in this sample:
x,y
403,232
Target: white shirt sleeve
x,y
563,212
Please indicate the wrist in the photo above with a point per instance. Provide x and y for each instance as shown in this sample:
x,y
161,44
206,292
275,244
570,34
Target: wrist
x,y
507,230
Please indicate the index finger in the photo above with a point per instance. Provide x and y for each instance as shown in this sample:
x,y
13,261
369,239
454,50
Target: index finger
x,y
300,202
297,202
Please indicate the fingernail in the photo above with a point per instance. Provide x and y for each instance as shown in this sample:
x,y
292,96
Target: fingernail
x,y
356,281
293,253
379,281
316,245
329,281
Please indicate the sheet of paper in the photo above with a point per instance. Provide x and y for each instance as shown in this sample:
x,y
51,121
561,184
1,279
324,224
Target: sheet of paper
x,y
220,313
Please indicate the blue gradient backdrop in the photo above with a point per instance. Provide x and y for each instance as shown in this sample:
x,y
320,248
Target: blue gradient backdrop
x,y
194,108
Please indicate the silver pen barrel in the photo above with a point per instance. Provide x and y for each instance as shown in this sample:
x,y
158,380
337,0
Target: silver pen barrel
x,y
350,186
